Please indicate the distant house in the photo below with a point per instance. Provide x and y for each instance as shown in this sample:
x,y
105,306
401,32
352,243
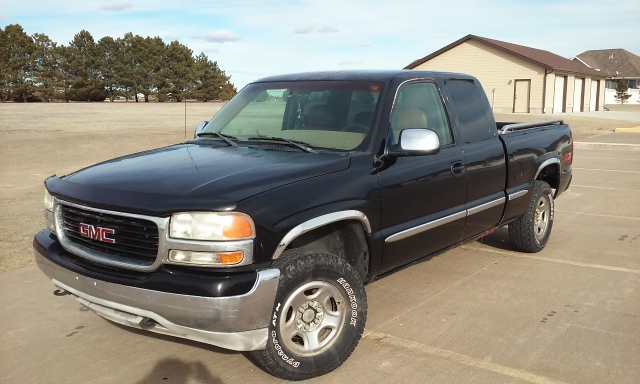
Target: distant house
x,y
616,64
520,79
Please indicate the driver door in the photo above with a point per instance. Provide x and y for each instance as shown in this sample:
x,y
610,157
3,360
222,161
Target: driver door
x,y
423,197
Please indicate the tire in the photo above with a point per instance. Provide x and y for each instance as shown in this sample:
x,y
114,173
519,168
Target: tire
x,y
318,316
531,231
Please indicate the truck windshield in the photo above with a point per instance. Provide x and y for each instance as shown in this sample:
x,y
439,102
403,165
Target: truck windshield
x,y
336,115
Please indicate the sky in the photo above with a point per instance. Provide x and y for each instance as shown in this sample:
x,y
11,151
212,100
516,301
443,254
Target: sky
x,y
251,39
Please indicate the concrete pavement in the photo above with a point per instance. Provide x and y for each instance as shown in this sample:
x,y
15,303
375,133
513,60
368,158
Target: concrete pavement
x,y
480,313
609,115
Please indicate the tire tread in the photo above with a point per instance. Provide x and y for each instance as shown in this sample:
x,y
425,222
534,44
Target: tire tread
x,y
521,232
298,261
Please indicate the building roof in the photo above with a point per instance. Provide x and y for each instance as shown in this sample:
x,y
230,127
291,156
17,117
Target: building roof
x,y
545,59
612,62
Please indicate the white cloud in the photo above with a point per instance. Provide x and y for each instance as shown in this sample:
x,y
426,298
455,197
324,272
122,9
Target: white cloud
x,y
221,36
303,30
396,37
117,5
328,30
350,63
171,36
4,16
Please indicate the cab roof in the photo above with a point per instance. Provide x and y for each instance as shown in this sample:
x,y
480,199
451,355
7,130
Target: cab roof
x,y
362,75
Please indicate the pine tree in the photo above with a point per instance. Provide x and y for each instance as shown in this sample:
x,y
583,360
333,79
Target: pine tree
x,y
178,70
47,67
228,91
18,70
35,68
621,91
84,69
107,51
4,66
209,79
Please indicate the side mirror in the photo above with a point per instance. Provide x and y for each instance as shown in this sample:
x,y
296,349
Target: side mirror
x,y
416,142
199,128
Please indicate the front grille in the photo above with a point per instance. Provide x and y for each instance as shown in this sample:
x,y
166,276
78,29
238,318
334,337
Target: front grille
x,y
135,239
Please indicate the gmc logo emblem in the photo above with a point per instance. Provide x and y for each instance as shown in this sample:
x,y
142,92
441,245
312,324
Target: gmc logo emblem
x,y
96,233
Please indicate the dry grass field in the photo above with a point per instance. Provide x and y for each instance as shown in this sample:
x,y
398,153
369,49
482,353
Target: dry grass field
x,y
39,140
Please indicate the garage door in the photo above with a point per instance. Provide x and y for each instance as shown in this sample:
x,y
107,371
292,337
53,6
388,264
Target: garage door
x,y
578,95
558,95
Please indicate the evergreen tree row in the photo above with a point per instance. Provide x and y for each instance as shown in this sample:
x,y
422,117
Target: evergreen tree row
x,y
34,68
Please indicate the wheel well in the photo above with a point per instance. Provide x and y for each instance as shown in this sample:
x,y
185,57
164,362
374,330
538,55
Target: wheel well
x,y
344,239
551,175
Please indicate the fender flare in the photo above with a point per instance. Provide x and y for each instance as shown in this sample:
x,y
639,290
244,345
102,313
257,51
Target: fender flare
x,y
318,222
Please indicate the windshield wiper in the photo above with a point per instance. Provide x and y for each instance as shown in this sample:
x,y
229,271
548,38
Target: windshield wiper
x,y
226,138
298,144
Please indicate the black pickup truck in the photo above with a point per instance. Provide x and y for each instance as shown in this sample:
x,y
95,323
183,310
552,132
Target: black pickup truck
x,y
261,232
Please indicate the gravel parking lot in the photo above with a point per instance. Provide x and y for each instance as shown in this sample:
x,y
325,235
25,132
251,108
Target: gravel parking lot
x,y
479,313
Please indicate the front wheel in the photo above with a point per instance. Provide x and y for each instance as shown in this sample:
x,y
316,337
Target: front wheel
x,y
318,316
531,231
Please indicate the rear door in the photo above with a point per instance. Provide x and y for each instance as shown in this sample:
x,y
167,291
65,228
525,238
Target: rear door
x,y
423,197
483,154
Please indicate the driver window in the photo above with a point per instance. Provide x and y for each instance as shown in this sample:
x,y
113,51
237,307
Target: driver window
x,y
419,106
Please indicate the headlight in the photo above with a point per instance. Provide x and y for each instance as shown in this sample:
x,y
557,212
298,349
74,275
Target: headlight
x,y
211,226
48,201
48,212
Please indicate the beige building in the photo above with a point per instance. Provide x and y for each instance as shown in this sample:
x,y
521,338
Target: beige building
x,y
520,79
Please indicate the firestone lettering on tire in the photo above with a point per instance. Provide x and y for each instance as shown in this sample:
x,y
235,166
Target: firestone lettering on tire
x,y
352,300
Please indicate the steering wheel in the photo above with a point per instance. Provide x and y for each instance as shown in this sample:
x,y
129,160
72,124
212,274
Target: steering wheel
x,y
356,128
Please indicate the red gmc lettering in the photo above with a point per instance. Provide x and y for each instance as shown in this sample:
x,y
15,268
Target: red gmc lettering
x,y
96,233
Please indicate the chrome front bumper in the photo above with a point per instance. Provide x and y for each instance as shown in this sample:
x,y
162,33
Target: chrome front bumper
x,y
237,322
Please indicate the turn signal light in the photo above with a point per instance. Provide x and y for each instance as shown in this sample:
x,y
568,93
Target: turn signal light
x,y
238,227
206,258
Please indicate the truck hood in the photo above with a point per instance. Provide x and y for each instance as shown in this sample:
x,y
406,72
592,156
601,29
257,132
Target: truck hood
x,y
189,177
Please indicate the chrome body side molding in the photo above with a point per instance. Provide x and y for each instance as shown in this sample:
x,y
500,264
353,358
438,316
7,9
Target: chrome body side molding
x,y
318,222
518,194
445,220
485,206
425,227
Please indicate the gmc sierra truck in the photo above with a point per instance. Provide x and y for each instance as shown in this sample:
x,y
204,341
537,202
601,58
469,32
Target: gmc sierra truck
x,y
260,233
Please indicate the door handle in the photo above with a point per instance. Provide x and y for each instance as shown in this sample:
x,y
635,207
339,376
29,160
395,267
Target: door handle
x,y
457,168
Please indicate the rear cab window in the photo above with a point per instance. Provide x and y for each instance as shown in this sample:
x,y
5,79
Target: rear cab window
x,y
470,110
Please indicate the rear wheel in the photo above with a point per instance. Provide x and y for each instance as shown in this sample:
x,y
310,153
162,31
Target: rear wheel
x,y
318,316
531,232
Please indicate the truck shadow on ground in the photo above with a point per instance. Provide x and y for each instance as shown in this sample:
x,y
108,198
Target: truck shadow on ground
x,y
186,368
176,371
498,239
